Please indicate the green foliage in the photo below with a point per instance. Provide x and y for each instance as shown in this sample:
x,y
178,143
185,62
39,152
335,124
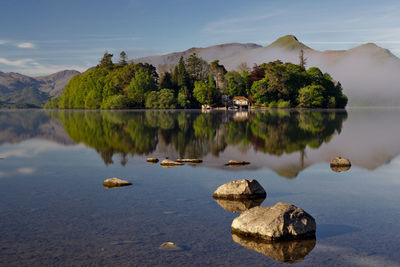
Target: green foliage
x,y
197,68
116,102
52,103
312,96
184,97
163,99
200,92
283,104
141,84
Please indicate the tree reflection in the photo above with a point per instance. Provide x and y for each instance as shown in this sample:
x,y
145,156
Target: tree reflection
x,y
195,135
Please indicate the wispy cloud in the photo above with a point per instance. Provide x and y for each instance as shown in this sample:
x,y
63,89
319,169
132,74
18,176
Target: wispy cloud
x,y
3,42
31,67
16,63
26,45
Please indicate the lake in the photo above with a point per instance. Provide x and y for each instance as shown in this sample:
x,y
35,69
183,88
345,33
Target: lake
x,y
55,210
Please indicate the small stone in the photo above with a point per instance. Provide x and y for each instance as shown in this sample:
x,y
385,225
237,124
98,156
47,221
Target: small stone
x,y
237,162
240,189
286,251
189,160
282,221
152,160
340,162
168,245
170,163
115,182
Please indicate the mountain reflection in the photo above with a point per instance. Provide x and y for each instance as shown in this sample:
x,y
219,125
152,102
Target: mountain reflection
x,y
196,135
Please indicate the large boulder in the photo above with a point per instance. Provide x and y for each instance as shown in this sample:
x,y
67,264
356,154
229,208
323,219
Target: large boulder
x,y
239,205
115,182
340,162
240,189
282,221
286,251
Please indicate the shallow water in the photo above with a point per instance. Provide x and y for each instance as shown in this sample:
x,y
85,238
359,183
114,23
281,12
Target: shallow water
x,y
55,210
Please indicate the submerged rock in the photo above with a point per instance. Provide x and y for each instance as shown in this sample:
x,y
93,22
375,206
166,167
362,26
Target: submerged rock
x,y
282,221
189,160
170,163
240,205
340,162
285,251
152,160
240,189
115,182
237,163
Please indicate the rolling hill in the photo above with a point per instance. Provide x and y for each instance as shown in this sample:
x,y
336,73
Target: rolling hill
x,y
367,72
17,90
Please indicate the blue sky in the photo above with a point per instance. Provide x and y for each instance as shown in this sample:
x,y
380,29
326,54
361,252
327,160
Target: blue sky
x,y
44,36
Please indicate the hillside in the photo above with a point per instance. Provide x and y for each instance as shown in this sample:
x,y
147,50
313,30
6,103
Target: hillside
x,y
17,90
368,72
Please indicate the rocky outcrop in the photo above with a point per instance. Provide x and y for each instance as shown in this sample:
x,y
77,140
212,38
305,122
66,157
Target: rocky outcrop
x,y
286,251
189,160
282,221
340,168
240,189
170,163
340,162
115,182
152,160
237,163
240,205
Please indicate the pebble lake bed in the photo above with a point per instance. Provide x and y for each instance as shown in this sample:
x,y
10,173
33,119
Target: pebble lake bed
x,y
55,209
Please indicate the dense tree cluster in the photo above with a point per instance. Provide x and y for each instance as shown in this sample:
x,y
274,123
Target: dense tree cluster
x,y
194,82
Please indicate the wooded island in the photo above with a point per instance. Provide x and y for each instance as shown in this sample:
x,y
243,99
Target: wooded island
x,y
194,82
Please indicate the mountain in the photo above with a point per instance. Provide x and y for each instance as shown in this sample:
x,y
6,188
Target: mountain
x,y
55,83
367,72
17,90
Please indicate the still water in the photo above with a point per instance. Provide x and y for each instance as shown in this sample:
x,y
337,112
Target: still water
x,y
54,209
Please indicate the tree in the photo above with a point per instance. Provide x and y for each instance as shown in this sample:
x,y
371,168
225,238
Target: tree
x,y
200,92
123,58
183,97
165,81
141,84
312,96
197,68
257,73
106,61
218,72
303,60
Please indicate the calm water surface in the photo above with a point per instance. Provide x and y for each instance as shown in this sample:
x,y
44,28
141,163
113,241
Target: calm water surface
x,y
54,209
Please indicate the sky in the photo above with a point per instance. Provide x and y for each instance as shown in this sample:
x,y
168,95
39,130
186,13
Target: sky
x,y
40,37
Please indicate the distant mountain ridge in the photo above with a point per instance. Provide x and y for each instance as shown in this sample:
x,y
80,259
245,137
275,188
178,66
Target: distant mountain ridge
x,y
368,73
24,91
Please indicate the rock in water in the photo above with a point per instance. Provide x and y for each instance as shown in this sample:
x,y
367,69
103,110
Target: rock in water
x,y
152,160
189,160
240,189
115,182
282,221
340,162
340,168
170,163
239,205
285,251
237,162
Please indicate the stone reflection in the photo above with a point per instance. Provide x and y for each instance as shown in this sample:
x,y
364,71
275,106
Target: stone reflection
x,y
195,135
240,205
288,251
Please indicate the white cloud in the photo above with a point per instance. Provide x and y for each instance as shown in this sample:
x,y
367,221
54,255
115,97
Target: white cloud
x,y
26,170
3,42
16,63
29,66
26,45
